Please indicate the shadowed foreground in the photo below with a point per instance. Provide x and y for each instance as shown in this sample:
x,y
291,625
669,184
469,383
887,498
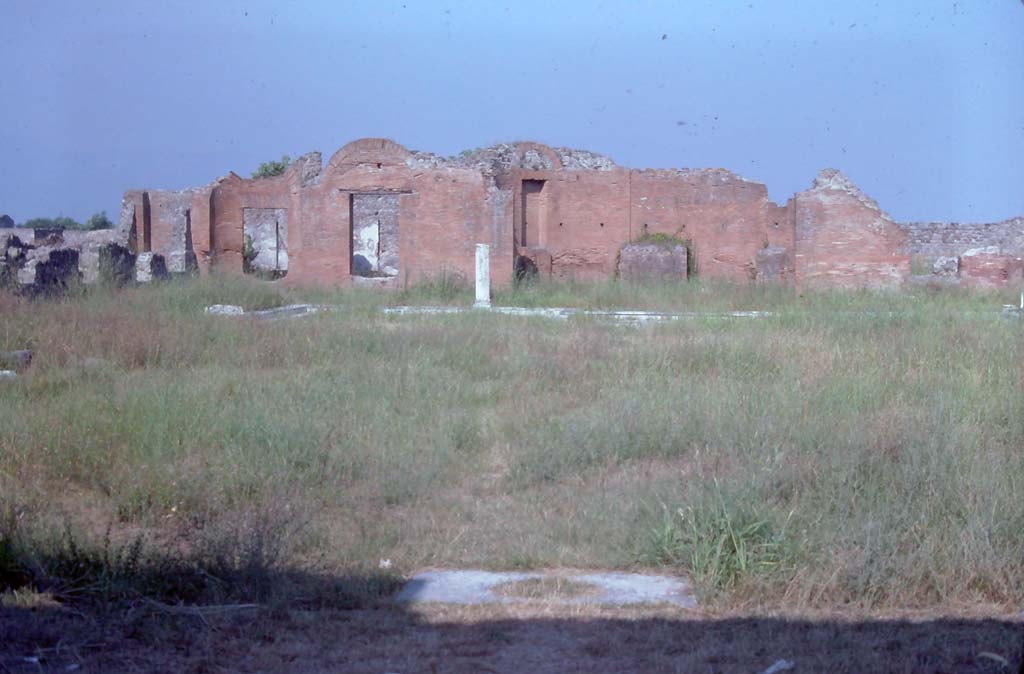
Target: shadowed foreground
x,y
511,639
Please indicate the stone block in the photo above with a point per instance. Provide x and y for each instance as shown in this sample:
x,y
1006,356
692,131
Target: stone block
x,y
150,267
182,262
773,263
946,265
225,310
48,269
652,262
89,264
116,264
17,360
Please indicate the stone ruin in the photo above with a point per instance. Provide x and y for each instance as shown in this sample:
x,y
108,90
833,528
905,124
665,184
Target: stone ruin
x,y
379,214
52,260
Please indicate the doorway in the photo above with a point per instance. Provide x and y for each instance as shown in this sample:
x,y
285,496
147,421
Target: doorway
x,y
530,213
374,229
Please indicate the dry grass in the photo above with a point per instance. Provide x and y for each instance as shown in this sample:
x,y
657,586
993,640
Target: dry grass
x,y
836,456
547,587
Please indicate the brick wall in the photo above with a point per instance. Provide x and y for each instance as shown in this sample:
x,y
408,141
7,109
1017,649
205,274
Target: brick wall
x,y
843,239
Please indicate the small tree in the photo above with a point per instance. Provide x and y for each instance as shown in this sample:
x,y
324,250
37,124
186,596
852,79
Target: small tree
x,y
269,169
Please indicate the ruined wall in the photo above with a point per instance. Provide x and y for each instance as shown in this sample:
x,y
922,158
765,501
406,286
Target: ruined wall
x,y
229,200
585,220
726,218
172,230
451,211
843,239
434,216
983,255
586,215
38,263
566,213
954,238
991,267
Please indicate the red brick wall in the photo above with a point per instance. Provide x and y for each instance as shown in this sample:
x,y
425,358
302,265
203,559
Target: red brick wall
x,y
164,205
230,196
844,240
726,218
585,220
589,215
443,213
201,229
991,269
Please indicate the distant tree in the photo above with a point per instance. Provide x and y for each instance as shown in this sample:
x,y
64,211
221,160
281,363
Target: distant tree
x,y
269,169
99,221
64,222
38,223
6,221
60,222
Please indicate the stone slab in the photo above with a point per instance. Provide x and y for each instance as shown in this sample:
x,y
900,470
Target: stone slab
x,y
286,311
471,586
564,313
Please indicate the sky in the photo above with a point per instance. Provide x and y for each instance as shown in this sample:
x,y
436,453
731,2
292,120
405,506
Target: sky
x,y
920,103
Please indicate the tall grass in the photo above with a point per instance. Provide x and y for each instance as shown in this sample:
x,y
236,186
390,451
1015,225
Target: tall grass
x,y
851,448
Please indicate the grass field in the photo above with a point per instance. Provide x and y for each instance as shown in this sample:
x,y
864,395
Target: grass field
x,y
852,450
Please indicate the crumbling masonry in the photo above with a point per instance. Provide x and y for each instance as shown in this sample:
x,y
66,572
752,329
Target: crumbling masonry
x,y
379,214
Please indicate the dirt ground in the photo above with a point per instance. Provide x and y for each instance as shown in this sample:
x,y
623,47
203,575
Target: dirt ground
x,y
530,637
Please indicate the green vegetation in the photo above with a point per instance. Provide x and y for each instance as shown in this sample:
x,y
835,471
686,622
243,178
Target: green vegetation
x,y
853,449
95,221
269,169
660,239
98,221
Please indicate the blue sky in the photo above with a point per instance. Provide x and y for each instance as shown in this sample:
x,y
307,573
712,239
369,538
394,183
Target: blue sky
x,y
920,103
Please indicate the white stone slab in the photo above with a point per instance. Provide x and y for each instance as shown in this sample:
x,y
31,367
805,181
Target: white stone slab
x,y
470,586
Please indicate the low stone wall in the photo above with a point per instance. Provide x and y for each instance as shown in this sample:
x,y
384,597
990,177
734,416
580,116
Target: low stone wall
x,y
955,238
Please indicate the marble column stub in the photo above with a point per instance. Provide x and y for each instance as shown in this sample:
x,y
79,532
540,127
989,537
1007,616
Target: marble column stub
x,y
483,276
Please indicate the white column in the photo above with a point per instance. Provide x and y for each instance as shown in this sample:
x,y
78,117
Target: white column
x,y
483,276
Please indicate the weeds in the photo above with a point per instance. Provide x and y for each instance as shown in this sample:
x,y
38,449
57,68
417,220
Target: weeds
x,y
720,541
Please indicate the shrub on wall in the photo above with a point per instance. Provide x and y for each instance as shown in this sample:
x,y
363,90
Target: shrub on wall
x,y
269,169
